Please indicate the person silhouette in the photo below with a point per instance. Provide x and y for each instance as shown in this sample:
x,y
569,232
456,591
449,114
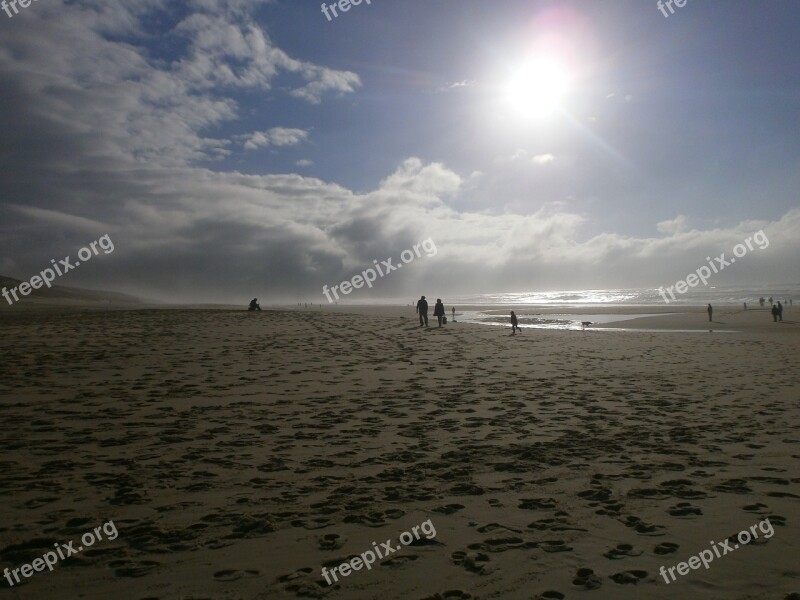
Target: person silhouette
x,y
710,310
775,313
454,314
438,311
780,311
254,304
514,325
422,309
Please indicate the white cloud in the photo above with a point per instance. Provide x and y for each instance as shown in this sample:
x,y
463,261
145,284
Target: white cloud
x,y
676,225
129,105
277,136
543,159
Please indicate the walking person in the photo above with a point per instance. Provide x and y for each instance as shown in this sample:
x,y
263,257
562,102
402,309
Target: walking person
x,y
775,313
514,325
454,314
438,311
780,311
710,310
422,309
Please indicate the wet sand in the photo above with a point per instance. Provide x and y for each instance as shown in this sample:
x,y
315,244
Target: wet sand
x,y
237,453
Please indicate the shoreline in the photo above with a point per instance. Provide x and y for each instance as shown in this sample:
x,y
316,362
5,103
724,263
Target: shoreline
x,y
634,317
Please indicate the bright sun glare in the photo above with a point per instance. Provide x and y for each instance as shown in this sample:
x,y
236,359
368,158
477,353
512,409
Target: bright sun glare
x,y
536,89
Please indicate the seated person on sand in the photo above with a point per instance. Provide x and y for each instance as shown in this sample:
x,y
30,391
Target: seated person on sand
x,y
254,304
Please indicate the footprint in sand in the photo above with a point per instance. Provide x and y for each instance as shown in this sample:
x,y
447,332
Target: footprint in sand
x,y
331,541
550,595
621,551
299,574
733,486
537,503
399,561
128,568
782,495
301,583
450,595
625,577
555,546
495,527
611,509
684,509
311,524
642,527
599,495
586,579
545,480
474,562
666,548
449,509
776,520
233,575
555,524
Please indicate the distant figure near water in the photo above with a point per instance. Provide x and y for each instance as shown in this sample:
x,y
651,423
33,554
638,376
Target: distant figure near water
x,y
710,310
514,325
775,313
254,304
438,311
780,311
454,314
422,309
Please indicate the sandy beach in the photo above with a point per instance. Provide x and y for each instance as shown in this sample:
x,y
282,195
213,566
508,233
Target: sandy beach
x,y
238,453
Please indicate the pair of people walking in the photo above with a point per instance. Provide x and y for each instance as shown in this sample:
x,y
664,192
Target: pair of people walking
x,y
438,312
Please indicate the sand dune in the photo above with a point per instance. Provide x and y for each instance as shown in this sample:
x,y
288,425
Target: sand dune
x,y
61,296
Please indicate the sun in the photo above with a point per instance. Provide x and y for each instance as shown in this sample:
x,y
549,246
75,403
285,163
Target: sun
x,y
537,87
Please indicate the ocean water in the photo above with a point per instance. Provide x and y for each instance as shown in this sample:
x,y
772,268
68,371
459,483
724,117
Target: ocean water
x,y
526,303
717,296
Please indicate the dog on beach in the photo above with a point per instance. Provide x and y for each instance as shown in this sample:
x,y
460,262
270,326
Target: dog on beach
x,y
585,324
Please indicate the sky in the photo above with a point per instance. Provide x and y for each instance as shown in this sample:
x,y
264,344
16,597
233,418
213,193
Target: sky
x,y
256,148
